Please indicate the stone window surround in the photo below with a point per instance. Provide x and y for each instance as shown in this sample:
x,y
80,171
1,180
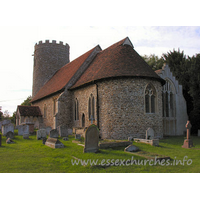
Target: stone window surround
x,y
155,103
91,107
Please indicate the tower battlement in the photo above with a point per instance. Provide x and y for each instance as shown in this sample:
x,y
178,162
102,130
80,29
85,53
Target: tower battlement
x,y
48,58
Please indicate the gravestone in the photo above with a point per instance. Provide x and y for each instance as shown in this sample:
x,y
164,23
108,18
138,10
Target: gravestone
x,y
0,140
53,133
62,130
48,129
54,143
130,139
131,148
44,140
10,135
41,134
91,139
25,136
78,136
188,142
23,129
4,122
9,141
149,134
198,133
7,128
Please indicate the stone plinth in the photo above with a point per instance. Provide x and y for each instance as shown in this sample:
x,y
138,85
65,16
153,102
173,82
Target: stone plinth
x,y
54,143
154,142
187,144
108,145
131,148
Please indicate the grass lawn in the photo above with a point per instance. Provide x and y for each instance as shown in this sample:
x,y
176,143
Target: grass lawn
x,y
31,156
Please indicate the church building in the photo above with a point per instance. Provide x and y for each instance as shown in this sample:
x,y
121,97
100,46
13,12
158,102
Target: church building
x,y
112,88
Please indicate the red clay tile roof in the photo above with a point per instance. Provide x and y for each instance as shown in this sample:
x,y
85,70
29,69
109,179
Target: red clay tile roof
x,y
117,61
61,77
29,111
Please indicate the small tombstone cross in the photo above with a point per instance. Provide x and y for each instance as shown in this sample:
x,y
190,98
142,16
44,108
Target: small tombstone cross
x,y
188,142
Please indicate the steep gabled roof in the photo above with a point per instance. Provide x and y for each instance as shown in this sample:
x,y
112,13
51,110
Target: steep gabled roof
x,y
118,60
60,79
29,111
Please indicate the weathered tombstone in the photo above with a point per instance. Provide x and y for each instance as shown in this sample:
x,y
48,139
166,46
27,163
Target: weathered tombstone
x,y
6,128
25,136
130,139
10,135
91,139
188,142
23,129
54,143
4,122
78,136
198,133
31,126
131,148
48,129
0,140
149,134
53,133
9,141
63,130
41,134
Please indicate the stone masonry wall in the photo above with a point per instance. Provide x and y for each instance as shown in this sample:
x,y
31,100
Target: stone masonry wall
x,y
122,108
82,96
49,120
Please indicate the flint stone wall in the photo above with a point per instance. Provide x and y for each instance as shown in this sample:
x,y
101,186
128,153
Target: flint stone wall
x,y
122,108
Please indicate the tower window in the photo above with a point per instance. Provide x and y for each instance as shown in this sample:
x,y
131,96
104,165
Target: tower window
x,y
91,107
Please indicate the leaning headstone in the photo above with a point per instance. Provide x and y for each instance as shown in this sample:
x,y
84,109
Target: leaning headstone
x,y
10,135
41,134
91,139
149,134
131,148
26,136
54,143
6,128
23,129
9,141
78,136
53,133
198,133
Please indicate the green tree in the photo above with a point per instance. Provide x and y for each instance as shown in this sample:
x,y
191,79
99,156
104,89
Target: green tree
x,y
27,101
154,61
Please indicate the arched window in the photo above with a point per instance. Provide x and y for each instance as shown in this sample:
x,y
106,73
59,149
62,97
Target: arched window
x,y
45,110
150,99
168,99
91,107
76,110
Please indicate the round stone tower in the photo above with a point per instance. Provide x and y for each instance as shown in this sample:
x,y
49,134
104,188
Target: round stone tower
x,y
48,58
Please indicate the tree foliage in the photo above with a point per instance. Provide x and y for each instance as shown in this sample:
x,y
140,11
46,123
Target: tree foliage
x,y
187,71
27,101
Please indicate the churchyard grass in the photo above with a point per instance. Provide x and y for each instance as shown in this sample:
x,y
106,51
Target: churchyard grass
x,y
31,156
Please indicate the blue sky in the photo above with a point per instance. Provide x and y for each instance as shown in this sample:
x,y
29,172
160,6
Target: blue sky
x,y
17,49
